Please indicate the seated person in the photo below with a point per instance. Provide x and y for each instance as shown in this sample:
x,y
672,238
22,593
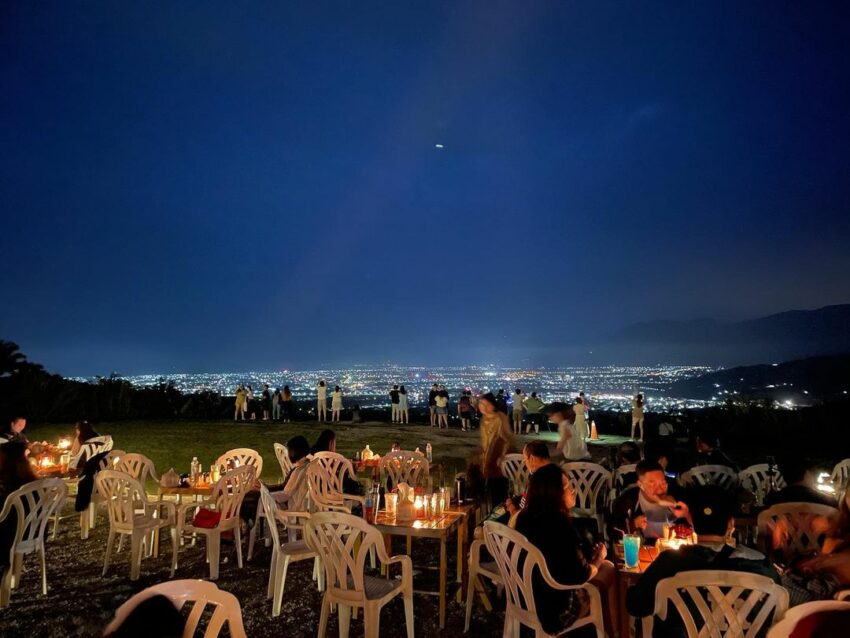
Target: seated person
x,y
709,452
327,443
535,455
15,472
154,616
295,482
799,474
14,432
647,506
546,523
712,515
628,454
820,576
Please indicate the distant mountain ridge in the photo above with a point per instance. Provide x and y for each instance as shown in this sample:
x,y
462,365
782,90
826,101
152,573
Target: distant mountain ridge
x,y
801,382
784,336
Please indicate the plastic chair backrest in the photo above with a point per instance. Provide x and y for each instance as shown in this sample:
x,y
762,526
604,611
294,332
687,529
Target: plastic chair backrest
x,y
588,480
727,603
515,470
786,626
242,456
231,489
225,607
34,503
325,475
282,454
343,542
136,465
405,466
841,475
798,517
757,476
122,494
720,475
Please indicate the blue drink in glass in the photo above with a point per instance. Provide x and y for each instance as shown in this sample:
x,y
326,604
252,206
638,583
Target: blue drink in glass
x,y
631,550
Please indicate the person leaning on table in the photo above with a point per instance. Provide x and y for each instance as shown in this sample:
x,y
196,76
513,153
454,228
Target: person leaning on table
x,y
712,515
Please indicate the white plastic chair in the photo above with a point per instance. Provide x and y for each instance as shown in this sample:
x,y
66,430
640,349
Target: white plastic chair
x,y
590,482
285,552
282,454
730,604
112,458
841,475
225,607
343,542
33,504
515,470
138,466
226,499
242,456
798,519
756,477
405,466
517,560
720,475
130,514
325,476
786,626
489,570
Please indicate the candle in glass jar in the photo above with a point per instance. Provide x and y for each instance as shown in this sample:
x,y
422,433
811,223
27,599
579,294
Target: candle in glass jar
x,y
419,506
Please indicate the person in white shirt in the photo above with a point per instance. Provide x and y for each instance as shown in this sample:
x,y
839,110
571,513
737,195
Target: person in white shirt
x,y
336,404
518,398
569,444
586,402
637,415
322,401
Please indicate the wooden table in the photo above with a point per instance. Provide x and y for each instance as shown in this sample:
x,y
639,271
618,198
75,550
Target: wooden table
x,y
179,492
628,577
453,520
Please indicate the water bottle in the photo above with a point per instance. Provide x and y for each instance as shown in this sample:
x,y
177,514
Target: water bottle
x,y
369,507
428,453
195,469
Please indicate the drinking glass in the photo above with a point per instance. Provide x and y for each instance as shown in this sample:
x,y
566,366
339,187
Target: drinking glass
x,y
391,500
631,550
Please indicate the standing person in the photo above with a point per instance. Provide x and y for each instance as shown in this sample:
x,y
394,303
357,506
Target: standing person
x,y
465,410
266,399
570,444
286,402
533,406
403,406
394,404
496,441
442,401
241,398
517,411
322,401
336,404
432,404
581,419
276,404
586,402
501,401
637,415
251,402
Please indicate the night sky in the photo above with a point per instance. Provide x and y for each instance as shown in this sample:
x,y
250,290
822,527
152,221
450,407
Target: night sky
x,y
205,186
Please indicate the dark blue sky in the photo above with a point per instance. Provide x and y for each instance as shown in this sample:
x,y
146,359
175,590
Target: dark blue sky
x,y
206,186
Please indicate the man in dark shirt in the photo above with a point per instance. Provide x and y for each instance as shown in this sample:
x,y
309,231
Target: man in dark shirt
x,y
432,404
712,513
396,416
709,452
501,402
645,507
799,474
14,432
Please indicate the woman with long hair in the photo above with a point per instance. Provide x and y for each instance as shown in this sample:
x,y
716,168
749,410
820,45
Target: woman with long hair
x,y
286,403
442,408
545,521
325,443
637,415
336,404
403,406
496,441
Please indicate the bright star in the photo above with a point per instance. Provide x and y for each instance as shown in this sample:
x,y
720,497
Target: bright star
x,y
438,145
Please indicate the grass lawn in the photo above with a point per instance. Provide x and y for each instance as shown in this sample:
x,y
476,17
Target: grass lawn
x,y
174,443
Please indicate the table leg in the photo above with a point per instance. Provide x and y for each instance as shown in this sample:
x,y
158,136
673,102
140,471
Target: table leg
x,y
461,562
443,569
388,545
624,620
